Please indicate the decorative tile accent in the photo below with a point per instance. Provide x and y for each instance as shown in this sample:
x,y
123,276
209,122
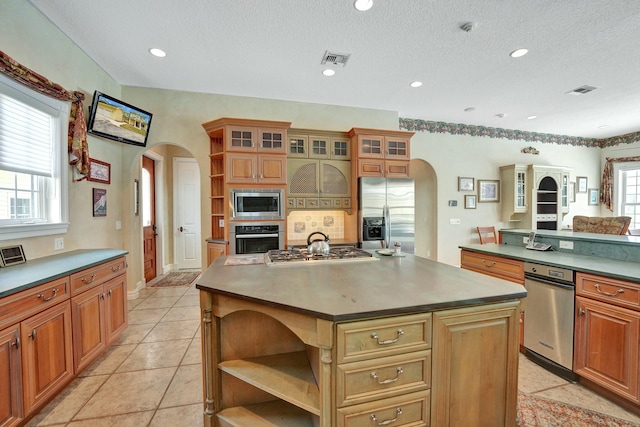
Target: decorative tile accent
x,y
302,223
418,125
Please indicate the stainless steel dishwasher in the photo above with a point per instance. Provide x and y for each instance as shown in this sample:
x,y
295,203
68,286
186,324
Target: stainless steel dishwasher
x,y
549,318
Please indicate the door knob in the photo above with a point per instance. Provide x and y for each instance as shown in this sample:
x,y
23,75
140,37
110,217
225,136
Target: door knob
x,y
181,229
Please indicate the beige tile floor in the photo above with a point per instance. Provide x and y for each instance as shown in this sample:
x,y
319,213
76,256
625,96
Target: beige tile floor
x,y
152,375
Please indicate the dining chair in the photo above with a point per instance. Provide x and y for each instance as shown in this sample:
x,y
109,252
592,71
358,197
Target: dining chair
x,y
487,235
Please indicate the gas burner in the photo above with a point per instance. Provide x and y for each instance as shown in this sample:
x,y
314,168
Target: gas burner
x,y
337,253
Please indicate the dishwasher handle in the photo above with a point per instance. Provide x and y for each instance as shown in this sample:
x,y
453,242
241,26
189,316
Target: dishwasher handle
x,y
569,286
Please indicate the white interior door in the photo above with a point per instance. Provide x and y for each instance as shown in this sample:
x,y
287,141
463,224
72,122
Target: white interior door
x,y
186,209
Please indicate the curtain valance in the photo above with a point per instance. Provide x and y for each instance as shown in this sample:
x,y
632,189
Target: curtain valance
x,y
606,186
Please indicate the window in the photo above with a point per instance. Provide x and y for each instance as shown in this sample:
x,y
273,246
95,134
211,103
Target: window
x,y
33,170
627,191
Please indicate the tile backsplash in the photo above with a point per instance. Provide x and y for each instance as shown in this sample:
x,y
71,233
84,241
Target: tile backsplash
x,y
302,223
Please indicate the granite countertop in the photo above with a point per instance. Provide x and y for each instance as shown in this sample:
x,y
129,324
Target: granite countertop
x,y
339,291
41,270
588,264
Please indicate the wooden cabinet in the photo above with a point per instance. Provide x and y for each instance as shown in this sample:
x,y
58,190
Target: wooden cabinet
x,y
11,411
319,184
215,250
47,358
474,349
243,153
607,332
268,366
99,312
381,153
513,189
503,268
310,144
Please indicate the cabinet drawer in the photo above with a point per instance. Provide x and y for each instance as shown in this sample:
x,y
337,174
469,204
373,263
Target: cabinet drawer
x,y
504,268
18,307
619,292
91,277
383,337
407,410
368,380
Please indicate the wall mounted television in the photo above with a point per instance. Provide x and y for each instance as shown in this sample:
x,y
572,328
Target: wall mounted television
x,y
114,119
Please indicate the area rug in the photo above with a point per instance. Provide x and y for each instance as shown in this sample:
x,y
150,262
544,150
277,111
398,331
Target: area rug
x,y
536,411
176,278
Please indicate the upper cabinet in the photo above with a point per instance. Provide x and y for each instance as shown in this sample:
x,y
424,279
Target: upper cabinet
x,y
251,139
534,195
310,144
381,153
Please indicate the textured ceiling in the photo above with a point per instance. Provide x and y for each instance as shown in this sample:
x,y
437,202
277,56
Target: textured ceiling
x,y
273,49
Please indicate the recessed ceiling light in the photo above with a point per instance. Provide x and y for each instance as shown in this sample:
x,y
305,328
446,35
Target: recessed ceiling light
x,y
328,72
157,52
469,109
531,117
363,5
415,84
518,53
501,115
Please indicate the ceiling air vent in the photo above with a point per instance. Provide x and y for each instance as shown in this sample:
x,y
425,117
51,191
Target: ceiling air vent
x,y
582,90
335,58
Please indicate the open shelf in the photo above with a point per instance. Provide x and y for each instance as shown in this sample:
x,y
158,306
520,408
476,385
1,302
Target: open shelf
x,y
267,414
287,376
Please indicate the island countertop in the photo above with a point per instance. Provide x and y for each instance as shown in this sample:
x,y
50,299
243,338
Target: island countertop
x,y
351,290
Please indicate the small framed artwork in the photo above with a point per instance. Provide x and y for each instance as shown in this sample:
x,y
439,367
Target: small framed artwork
x,y
572,192
488,190
99,202
99,171
466,184
469,201
594,196
581,182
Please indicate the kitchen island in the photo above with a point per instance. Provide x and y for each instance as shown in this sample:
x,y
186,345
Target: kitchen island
x,y
331,343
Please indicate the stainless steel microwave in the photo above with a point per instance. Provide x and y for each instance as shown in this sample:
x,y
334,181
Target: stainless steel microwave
x,y
257,204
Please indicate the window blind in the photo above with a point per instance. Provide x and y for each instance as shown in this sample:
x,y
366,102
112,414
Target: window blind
x,y
26,138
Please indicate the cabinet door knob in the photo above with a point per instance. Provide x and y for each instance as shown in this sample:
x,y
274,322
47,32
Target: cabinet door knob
x,y
581,311
16,343
110,292
33,335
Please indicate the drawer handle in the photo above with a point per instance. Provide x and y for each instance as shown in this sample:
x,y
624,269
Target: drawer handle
x,y
386,422
87,281
115,268
53,295
609,294
399,370
488,265
387,342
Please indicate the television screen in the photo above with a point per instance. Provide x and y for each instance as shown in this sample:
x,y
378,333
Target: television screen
x,y
113,119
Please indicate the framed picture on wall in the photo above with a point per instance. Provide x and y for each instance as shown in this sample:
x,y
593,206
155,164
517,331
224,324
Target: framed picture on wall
x,y
488,190
594,196
466,183
99,202
99,171
469,201
581,182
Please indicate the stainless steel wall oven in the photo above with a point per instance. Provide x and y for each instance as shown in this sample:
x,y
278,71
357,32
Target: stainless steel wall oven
x,y
254,238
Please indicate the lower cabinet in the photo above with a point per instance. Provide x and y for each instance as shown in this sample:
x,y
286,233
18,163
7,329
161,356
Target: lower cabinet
x,y
47,359
99,316
11,411
215,250
606,346
46,338
265,366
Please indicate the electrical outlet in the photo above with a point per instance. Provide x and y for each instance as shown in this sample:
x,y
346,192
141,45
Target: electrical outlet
x,y
525,240
118,225
221,223
566,245
58,243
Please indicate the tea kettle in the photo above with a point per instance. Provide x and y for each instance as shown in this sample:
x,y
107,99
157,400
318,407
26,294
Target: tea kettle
x,y
318,246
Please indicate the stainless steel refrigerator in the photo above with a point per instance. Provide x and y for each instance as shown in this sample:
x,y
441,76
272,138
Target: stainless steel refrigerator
x,y
386,213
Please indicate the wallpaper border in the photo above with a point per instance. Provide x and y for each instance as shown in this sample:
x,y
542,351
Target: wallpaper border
x,y
419,125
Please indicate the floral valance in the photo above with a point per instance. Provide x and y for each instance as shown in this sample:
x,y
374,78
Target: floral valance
x,y
606,186
77,134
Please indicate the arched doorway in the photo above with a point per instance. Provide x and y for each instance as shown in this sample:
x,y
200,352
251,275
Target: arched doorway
x,y
426,209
